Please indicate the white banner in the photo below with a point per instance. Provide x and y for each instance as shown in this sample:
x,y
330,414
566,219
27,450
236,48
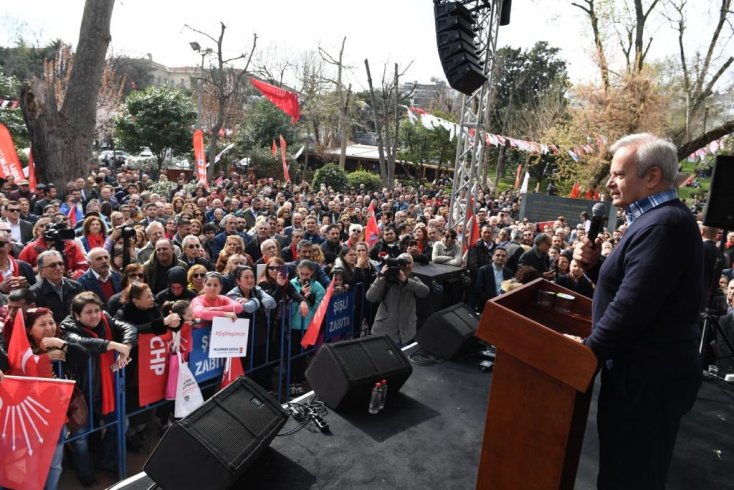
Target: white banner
x,y
229,337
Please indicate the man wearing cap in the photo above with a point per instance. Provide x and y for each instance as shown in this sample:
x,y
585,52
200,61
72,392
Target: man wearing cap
x,y
23,190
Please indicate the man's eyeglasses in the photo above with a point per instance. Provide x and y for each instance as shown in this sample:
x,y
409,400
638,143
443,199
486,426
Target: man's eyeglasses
x,y
14,210
54,265
193,245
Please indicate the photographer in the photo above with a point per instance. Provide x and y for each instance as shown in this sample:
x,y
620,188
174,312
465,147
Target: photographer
x,y
396,292
59,237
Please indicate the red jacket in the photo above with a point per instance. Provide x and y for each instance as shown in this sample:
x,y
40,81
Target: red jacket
x,y
76,262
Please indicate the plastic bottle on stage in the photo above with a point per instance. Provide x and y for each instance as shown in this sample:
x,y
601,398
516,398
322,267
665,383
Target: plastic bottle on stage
x,y
383,393
375,399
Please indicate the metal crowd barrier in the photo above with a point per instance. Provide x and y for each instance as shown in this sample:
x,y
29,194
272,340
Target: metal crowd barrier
x,y
280,356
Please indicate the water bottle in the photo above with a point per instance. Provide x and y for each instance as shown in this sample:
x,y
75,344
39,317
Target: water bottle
x,y
375,399
383,393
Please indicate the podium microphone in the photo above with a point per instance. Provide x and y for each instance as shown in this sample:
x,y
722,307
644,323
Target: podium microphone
x,y
598,215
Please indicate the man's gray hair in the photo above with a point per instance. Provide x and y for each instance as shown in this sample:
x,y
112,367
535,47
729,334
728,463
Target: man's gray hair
x,y
651,151
542,238
516,234
188,239
406,256
43,257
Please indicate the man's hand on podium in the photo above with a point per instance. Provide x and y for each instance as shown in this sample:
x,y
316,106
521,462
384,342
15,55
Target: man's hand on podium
x,y
574,337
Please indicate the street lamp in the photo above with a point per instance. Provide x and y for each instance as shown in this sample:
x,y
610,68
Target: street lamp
x,y
203,52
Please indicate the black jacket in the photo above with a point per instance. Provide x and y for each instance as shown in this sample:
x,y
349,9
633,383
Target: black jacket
x,y
47,297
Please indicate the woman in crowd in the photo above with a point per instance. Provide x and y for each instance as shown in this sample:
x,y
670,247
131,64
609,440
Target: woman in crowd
x,y
93,233
447,251
354,268
195,277
103,336
196,227
177,287
233,245
274,281
313,293
133,273
212,303
45,340
422,244
255,305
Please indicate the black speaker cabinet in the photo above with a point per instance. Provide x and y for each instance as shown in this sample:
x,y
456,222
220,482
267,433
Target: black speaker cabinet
x,y
448,332
343,373
719,211
213,446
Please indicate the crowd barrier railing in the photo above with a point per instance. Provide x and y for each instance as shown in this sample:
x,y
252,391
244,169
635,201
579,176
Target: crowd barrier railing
x,y
279,358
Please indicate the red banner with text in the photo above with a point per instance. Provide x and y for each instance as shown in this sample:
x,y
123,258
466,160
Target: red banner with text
x,y
200,157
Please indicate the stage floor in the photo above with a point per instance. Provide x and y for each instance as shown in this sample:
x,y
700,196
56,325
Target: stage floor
x,y
429,436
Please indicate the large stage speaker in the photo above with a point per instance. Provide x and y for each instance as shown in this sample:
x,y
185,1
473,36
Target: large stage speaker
x,y
343,373
214,446
456,49
719,211
448,332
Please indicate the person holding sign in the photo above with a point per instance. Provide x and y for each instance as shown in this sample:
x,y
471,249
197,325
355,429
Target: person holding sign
x,y
212,304
255,303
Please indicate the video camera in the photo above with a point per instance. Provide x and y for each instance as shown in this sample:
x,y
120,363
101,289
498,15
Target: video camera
x,y
393,268
128,232
57,233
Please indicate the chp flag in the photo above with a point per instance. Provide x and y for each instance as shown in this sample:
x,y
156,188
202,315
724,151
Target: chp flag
x,y
32,413
200,157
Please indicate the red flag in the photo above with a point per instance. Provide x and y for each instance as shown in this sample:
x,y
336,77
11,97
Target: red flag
x,y
472,231
232,371
575,191
371,232
275,149
20,356
518,174
152,367
9,163
312,333
199,156
282,155
32,171
32,412
284,100
72,215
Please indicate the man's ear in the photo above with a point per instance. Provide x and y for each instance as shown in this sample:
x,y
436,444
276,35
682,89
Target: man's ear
x,y
654,177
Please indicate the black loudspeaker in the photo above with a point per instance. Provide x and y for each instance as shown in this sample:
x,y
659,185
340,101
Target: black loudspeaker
x,y
343,373
213,446
505,15
456,49
719,211
449,332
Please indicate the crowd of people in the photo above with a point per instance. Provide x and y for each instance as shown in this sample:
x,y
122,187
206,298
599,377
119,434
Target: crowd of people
x,y
95,263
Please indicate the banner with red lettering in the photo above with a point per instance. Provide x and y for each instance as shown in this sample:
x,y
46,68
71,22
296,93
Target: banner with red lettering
x,y
282,155
32,412
32,171
200,157
9,163
312,333
283,99
371,231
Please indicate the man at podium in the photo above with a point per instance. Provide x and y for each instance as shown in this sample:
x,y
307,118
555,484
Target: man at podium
x,y
645,316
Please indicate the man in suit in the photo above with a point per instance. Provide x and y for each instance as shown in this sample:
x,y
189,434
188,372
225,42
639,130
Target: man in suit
x,y
645,316
490,277
537,256
54,291
100,279
21,230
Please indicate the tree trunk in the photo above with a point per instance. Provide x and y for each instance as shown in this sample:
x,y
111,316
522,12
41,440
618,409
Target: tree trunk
x,y
685,149
62,139
378,127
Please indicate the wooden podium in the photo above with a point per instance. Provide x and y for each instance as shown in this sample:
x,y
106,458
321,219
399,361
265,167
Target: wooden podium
x,y
541,389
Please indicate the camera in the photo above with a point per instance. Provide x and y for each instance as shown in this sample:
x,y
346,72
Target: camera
x,y
393,251
128,232
57,232
393,268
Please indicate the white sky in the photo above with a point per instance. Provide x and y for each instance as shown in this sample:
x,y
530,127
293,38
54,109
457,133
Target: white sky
x,y
382,30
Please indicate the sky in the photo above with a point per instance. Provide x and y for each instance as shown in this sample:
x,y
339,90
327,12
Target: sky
x,y
385,31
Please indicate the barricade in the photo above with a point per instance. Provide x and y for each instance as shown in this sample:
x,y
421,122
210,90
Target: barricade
x,y
345,316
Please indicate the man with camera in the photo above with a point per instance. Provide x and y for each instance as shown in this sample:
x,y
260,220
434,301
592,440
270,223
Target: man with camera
x,y
396,291
57,236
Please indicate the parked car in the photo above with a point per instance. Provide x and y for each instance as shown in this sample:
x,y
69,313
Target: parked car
x,y
108,155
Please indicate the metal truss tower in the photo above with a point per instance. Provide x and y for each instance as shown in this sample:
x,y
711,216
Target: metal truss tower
x,y
475,110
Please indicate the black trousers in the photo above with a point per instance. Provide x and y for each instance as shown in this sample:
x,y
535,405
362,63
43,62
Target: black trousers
x,y
641,403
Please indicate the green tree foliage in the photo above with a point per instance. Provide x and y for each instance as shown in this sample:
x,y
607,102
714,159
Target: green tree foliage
x,y
372,182
263,124
24,61
160,118
138,72
12,117
523,77
332,176
266,164
420,145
